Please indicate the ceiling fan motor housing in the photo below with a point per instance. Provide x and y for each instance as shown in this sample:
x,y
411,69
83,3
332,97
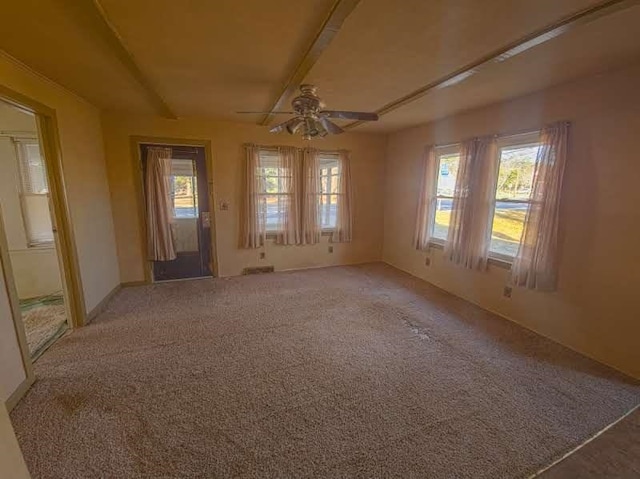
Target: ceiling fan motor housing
x,y
308,103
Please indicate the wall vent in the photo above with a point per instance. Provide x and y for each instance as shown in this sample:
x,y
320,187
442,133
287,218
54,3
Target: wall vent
x,y
258,270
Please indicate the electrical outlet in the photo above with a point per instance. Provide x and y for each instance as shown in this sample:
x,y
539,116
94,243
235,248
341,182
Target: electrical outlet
x,y
330,249
224,205
262,255
507,292
427,261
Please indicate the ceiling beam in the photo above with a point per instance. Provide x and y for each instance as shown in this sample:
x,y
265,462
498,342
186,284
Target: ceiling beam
x,y
330,27
518,47
93,12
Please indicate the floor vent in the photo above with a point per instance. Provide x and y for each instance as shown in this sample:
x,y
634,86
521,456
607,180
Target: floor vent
x,y
258,270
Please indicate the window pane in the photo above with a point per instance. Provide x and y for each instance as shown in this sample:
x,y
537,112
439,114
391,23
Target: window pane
x,y
271,207
508,221
446,182
185,196
516,172
447,172
34,176
328,211
442,218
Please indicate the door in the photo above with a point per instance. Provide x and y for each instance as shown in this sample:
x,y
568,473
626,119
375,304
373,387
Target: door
x,y
191,223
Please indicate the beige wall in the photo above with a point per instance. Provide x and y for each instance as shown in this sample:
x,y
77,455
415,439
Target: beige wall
x,y
12,372
228,156
596,309
12,463
85,177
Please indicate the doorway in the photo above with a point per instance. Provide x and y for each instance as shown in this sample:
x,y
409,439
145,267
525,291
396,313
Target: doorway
x,y
28,226
189,216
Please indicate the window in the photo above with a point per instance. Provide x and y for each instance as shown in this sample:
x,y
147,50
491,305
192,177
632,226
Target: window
x,y
328,198
184,189
273,197
512,198
448,160
34,193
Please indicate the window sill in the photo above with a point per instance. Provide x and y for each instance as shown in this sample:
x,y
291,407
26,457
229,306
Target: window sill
x,y
42,245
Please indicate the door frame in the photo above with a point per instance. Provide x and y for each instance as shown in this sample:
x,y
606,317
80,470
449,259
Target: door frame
x,y
135,142
49,141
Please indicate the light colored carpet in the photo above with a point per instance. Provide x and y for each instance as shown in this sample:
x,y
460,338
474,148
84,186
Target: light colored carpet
x,y
356,371
42,323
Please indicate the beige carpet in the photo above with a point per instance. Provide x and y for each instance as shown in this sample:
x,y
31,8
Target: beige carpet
x,y
43,323
341,372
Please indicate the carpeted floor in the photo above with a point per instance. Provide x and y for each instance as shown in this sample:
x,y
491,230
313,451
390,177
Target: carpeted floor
x,y
356,371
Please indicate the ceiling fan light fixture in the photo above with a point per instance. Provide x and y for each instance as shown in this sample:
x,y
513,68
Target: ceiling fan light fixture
x,y
294,126
312,120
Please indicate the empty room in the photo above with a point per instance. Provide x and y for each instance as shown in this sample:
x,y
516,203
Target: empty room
x,y
323,238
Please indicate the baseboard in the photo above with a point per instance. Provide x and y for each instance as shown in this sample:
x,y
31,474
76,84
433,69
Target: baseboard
x,y
101,305
131,284
20,391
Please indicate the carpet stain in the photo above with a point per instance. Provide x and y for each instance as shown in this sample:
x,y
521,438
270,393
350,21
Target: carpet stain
x,y
70,403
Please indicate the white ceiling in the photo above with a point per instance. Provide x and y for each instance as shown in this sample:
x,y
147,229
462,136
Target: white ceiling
x,y
211,58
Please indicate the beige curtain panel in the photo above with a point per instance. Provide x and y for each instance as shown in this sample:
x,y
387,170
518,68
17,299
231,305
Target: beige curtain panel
x,y
252,222
311,229
344,221
426,201
470,227
159,208
536,263
288,200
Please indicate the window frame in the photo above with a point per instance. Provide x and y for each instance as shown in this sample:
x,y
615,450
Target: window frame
x,y
524,140
439,153
272,153
24,175
328,157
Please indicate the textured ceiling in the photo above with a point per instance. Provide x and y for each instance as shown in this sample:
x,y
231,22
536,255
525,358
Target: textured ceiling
x,y
211,58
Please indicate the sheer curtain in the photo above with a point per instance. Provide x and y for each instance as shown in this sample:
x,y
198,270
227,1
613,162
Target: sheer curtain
x,y
311,229
159,208
535,265
426,201
344,222
470,225
252,222
289,192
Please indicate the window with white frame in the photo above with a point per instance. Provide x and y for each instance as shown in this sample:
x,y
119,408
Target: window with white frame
x,y
517,158
448,160
34,193
329,190
273,197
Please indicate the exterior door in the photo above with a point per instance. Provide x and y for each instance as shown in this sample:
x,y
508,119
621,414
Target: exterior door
x,y
191,222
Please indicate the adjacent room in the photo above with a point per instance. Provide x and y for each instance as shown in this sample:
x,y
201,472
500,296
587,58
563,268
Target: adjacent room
x,y
329,238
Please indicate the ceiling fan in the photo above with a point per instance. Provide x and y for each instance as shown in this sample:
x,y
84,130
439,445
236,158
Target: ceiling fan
x,y
311,119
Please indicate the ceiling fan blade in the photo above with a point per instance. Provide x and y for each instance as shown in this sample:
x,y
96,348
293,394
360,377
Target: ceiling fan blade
x,y
350,115
265,112
330,126
290,125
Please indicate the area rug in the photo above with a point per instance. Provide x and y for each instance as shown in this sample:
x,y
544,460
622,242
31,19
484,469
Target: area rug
x,y
359,371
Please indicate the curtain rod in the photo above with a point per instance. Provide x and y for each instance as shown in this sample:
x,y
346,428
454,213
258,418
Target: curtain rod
x,y
509,134
276,147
